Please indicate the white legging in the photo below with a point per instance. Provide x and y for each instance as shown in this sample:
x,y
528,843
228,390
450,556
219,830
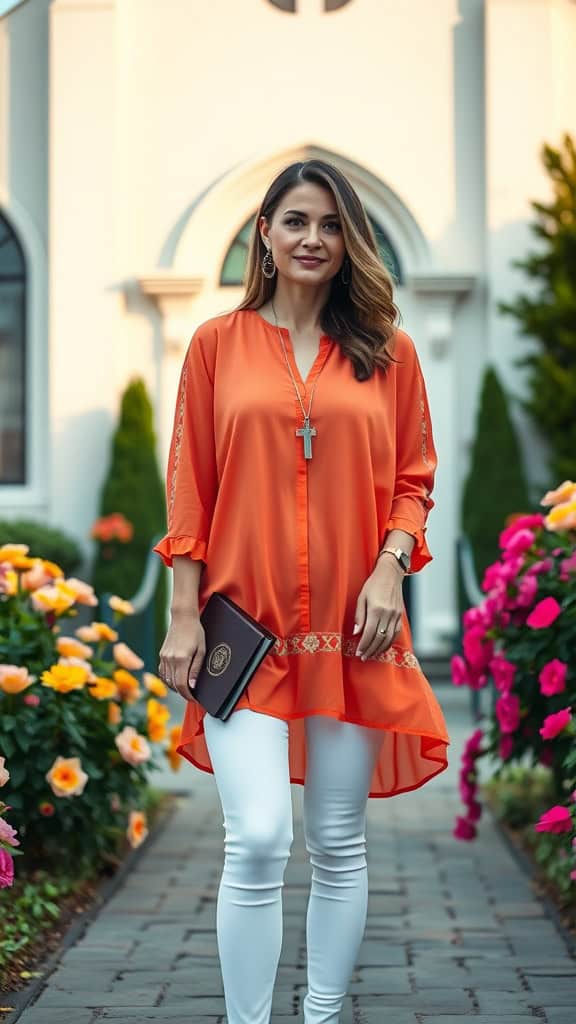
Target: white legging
x,y
249,754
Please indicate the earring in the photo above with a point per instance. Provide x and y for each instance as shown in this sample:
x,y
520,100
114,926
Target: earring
x,y
345,272
268,265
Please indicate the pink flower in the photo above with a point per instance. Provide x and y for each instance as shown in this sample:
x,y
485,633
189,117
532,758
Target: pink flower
x,y
477,649
568,564
537,568
460,676
553,677
508,712
505,747
464,829
474,810
527,590
6,869
32,699
554,724
544,614
573,876
519,542
472,744
8,834
503,672
4,773
528,522
557,819
468,790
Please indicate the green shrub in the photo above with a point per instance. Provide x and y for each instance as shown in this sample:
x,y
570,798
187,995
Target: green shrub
x,y
496,485
134,488
46,541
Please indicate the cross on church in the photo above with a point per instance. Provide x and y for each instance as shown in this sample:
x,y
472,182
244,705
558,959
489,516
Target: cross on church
x,y
307,433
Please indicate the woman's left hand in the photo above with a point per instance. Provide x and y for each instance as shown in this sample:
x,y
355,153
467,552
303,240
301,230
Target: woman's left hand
x,y
379,606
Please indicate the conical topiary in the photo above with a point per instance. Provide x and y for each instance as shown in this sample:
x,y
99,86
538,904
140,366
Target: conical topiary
x,y
134,488
496,485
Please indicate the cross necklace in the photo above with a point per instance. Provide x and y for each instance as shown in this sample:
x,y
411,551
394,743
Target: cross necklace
x,y
306,432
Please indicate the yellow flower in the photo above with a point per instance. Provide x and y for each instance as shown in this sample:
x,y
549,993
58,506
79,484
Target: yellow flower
x,y
103,689
155,685
52,569
171,752
118,604
562,516
66,777
137,828
126,657
134,748
10,551
128,685
82,663
57,597
114,714
68,647
14,679
565,492
64,678
8,582
158,715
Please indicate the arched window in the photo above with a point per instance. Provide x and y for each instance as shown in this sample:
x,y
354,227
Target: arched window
x,y
12,357
235,260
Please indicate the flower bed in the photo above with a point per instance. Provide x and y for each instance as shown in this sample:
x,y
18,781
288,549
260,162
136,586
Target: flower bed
x,y
81,729
522,639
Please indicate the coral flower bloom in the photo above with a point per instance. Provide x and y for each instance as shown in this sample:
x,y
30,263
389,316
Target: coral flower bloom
x,y
126,657
565,492
158,715
562,517
137,828
66,777
155,685
8,580
8,552
57,597
36,577
103,689
14,679
118,604
68,647
64,678
134,748
171,751
114,714
83,591
128,685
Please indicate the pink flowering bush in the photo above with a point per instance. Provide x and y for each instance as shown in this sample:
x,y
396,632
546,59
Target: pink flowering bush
x,y
81,723
522,639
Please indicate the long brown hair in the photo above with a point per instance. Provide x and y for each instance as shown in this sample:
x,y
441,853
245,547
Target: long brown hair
x,y
359,315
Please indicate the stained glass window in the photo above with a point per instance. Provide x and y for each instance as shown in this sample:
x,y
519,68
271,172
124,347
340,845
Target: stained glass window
x,y
235,260
12,357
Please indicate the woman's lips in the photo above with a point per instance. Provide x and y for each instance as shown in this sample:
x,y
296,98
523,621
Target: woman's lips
x,y
309,262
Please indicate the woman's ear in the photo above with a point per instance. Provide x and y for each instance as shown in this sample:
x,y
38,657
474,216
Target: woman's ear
x,y
263,229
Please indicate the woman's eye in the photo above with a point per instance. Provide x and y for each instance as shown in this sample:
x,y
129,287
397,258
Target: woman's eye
x,y
333,224
293,220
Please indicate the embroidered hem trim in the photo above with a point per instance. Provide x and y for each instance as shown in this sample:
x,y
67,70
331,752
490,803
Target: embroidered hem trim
x,y
178,431
335,643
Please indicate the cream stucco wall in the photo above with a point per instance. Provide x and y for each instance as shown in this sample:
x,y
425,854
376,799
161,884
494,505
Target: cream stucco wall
x,y
136,138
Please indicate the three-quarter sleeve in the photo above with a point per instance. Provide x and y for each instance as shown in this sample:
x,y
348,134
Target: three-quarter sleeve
x,y
191,475
416,458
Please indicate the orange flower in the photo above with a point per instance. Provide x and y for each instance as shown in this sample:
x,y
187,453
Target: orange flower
x,y
118,604
83,591
158,715
112,527
14,679
66,777
68,647
103,689
562,516
114,714
154,685
96,632
57,597
128,685
171,752
36,577
137,828
52,569
134,748
126,657
565,492
64,678
10,551
8,580
81,663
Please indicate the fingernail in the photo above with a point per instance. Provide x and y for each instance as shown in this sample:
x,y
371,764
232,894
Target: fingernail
x,y
358,653
356,628
191,683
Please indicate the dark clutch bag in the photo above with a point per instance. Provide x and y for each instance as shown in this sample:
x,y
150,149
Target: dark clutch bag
x,y
236,644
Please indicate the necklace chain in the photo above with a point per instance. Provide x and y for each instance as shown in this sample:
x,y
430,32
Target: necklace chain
x,y
305,414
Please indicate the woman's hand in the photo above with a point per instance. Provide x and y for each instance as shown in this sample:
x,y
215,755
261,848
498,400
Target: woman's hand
x,y
379,606
182,654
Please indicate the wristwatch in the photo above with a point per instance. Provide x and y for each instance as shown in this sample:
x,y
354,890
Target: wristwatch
x,y
401,557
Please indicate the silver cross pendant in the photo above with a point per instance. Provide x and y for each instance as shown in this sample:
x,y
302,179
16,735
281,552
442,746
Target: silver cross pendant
x,y
307,433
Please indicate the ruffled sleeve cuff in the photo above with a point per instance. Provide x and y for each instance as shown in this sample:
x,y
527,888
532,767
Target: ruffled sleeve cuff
x,y
421,554
170,546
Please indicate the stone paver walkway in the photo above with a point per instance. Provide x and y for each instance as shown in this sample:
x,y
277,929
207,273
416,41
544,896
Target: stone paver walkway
x,y
454,930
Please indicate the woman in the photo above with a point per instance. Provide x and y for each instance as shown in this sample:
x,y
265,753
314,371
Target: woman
x,y
298,484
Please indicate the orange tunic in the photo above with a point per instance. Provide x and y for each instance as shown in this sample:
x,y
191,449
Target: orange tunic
x,y
292,541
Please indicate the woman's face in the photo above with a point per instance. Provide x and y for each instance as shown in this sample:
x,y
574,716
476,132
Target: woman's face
x,y
306,235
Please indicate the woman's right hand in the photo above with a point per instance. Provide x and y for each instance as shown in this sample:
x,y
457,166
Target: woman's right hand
x,y
182,654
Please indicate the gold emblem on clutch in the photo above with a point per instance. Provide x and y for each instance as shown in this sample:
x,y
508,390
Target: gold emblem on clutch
x,y
219,659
